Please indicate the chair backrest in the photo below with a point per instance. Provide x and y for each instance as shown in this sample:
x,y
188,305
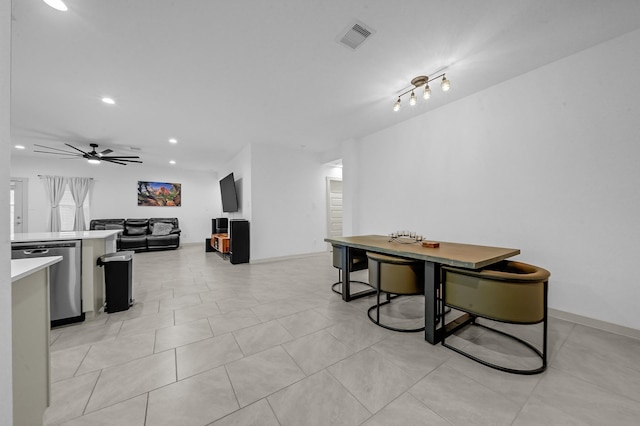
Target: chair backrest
x,y
395,274
507,291
136,227
106,224
358,258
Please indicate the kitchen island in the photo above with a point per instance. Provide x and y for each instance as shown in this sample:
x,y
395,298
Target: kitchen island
x,y
30,338
94,245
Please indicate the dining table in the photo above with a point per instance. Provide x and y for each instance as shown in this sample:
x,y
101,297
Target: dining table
x,y
433,255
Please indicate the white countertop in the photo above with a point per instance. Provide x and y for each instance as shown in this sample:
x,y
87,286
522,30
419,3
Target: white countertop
x,y
61,236
21,268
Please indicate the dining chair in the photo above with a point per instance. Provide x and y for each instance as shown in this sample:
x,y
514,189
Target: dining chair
x,y
394,276
506,292
357,262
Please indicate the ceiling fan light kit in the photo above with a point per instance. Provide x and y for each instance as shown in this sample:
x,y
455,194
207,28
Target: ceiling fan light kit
x,y
420,81
57,5
92,157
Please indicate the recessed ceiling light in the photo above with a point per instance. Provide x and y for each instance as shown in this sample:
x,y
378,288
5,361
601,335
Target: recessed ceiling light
x,y
57,4
108,101
172,162
173,140
19,147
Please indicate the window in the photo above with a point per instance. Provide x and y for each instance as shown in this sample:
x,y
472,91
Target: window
x,y
68,210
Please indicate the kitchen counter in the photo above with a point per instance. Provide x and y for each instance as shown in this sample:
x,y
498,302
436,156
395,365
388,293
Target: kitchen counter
x,y
62,236
21,268
94,245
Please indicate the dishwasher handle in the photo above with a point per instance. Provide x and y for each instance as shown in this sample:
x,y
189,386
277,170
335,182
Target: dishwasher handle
x,y
36,251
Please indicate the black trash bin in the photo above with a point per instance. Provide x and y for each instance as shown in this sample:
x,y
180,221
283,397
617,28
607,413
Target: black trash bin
x,y
118,277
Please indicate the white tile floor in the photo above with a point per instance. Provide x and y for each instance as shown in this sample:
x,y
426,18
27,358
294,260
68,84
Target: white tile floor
x,y
210,343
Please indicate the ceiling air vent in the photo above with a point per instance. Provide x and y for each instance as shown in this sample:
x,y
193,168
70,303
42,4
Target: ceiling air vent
x,y
355,34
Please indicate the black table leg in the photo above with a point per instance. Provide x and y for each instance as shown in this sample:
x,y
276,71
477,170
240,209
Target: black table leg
x,y
431,284
346,282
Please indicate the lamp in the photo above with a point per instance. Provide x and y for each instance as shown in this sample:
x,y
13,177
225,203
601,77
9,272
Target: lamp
x,y
419,81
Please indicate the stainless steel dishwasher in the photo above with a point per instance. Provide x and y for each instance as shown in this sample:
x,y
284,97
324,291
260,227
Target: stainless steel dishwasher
x,y
65,277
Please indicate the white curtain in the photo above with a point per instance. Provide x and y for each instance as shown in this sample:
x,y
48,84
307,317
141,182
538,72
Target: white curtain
x,y
54,188
79,188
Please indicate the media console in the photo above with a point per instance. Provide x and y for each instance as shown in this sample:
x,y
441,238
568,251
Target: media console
x,y
220,244
231,239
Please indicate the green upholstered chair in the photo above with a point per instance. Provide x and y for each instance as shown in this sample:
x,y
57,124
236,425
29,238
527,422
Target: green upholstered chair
x,y
509,292
358,262
394,276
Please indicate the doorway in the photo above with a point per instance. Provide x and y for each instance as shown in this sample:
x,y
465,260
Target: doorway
x,y
334,207
18,205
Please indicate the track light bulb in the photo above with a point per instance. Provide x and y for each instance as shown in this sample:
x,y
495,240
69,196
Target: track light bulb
x,y
427,92
413,99
446,84
396,106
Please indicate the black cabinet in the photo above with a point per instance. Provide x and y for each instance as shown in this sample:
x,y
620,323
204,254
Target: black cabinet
x,y
239,243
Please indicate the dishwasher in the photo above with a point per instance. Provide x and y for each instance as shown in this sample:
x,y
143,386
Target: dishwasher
x,y
65,277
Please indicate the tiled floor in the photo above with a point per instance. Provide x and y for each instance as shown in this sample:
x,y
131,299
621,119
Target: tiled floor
x,y
210,343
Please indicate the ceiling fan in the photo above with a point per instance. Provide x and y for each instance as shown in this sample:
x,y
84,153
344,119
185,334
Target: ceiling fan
x,y
92,156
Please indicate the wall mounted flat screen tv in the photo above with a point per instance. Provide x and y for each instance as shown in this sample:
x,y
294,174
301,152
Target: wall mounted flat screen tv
x,y
228,193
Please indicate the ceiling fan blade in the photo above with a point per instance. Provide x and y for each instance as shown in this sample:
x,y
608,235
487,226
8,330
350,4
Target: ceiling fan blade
x,y
59,153
105,152
125,161
50,147
71,146
115,157
116,162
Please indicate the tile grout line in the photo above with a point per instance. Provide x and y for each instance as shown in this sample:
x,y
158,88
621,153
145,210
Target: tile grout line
x,y
91,394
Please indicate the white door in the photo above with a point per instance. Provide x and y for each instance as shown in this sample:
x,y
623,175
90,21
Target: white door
x,y
334,207
17,200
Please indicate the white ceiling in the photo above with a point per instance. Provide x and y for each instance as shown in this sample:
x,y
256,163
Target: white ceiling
x,y
218,75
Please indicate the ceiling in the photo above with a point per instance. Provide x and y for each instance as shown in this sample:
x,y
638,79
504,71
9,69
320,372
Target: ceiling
x,y
218,75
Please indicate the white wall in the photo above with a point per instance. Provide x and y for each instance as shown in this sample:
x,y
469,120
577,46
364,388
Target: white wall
x,y
288,202
114,192
6,399
546,162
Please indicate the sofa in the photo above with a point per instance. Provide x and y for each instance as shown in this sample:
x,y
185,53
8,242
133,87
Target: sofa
x,y
142,234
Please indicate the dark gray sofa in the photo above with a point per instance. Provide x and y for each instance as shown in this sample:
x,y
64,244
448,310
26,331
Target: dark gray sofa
x,y
142,234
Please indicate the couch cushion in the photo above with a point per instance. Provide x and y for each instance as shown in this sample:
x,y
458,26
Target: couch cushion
x,y
102,224
133,243
136,230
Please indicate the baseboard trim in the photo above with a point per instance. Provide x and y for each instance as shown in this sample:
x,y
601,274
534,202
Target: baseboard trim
x,y
293,256
594,323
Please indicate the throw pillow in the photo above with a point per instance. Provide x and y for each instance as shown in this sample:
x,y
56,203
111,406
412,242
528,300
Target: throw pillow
x,y
162,228
111,227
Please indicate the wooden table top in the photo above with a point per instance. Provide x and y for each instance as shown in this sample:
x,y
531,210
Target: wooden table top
x,y
453,254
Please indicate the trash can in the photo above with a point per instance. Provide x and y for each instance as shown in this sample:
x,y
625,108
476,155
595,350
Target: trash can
x,y
118,277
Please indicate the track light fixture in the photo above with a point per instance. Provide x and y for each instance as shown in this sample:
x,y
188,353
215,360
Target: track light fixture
x,y
420,81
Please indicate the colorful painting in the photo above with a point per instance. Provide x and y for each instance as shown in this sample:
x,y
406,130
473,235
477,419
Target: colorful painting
x,y
159,194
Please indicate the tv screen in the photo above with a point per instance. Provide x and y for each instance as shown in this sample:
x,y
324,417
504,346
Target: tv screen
x,y
228,193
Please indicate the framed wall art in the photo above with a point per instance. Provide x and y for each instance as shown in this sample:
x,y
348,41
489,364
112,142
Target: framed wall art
x,y
159,194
